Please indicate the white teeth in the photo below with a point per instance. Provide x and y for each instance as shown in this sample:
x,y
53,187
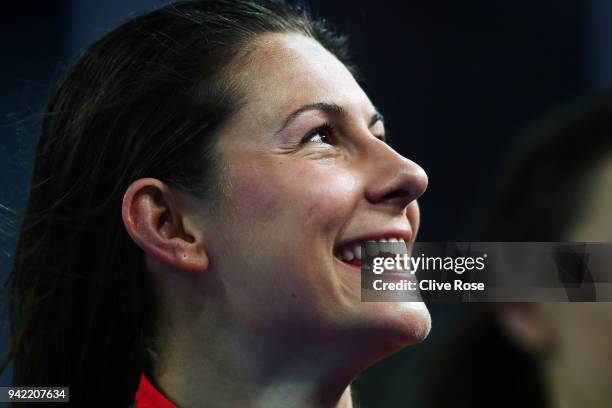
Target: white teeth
x,y
398,247
384,245
347,254
373,248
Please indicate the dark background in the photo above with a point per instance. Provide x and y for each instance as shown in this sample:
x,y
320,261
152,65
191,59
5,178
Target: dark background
x,y
456,82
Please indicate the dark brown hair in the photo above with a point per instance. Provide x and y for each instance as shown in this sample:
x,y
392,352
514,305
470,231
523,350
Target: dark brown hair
x,y
545,184
143,101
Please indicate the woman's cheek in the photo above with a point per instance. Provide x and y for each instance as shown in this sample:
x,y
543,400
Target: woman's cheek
x,y
253,192
414,217
297,190
331,197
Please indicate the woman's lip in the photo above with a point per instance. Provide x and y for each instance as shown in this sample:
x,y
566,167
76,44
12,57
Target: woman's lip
x,y
405,234
388,276
348,265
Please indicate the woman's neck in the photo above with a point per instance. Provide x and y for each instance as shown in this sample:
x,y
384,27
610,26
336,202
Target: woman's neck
x,y
212,361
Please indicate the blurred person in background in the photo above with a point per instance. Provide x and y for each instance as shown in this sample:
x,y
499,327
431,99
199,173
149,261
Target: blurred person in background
x,y
557,187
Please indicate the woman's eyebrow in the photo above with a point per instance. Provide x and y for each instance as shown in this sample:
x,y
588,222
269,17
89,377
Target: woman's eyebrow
x,y
331,109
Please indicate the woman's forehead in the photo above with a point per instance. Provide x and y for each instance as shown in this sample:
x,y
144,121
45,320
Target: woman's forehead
x,y
287,71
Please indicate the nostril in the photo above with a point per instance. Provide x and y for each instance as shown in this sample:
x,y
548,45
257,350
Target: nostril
x,y
400,197
405,194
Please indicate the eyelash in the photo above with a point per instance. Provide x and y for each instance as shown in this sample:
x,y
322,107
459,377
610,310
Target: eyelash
x,y
329,129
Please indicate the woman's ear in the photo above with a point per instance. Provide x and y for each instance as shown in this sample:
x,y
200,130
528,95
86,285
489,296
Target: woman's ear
x,y
157,224
527,325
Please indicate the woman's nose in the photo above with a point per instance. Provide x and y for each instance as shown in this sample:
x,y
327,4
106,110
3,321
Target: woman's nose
x,y
393,179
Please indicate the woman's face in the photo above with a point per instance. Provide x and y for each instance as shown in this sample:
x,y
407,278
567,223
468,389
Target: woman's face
x,y
575,338
583,331
306,171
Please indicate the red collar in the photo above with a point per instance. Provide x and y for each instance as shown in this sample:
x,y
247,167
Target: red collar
x,y
148,396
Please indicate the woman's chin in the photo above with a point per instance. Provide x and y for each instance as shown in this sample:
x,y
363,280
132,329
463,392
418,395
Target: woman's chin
x,y
400,324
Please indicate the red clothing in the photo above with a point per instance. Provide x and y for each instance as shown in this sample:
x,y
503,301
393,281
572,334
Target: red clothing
x,y
147,396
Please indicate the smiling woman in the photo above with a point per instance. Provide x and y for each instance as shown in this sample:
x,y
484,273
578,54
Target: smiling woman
x,y
201,170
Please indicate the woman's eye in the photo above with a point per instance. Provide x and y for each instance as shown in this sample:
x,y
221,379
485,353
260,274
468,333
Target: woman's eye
x,y
319,137
322,135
